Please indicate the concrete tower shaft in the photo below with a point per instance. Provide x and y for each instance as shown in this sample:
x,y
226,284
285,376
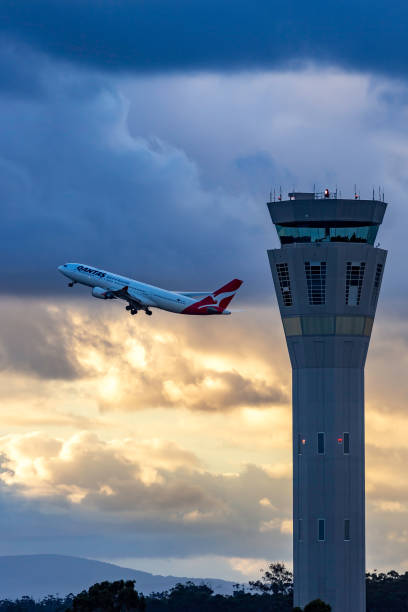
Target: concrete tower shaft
x,y
327,277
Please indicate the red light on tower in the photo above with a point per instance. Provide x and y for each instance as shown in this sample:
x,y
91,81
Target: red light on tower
x,y
340,440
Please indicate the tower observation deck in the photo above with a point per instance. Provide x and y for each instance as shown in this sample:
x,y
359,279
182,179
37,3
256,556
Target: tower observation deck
x,y
327,276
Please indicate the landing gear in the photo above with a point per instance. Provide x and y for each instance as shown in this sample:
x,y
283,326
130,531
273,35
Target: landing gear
x,y
131,309
71,284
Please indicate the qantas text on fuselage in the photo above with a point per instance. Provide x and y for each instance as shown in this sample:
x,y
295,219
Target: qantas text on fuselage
x,y
140,296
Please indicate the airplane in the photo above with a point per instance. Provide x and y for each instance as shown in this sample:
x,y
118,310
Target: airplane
x,y
140,296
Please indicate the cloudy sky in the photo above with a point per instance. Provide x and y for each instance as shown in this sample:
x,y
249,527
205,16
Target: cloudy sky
x,y
145,137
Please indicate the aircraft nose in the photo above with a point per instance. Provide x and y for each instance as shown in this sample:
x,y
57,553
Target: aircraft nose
x,y
63,269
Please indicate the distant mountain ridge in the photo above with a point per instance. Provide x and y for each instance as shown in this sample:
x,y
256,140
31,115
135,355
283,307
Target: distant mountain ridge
x,y
40,575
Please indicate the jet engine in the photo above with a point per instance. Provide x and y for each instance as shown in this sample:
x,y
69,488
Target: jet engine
x,y
102,294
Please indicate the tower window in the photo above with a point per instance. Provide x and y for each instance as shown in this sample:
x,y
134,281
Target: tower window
x,y
377,283
347,529
350,326
300,529
321,530
318,326
316,281
289,234
320,443
284,281
354,282
299,444
368,326
292,326
346,443
328,325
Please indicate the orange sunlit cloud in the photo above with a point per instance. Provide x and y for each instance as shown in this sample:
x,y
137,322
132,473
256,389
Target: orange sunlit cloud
x,y
152,419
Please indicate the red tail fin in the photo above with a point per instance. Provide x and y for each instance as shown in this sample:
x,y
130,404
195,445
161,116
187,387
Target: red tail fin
x,y
233,285
229,289
216,302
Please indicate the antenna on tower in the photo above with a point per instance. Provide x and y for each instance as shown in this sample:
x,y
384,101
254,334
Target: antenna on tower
x,y
280,193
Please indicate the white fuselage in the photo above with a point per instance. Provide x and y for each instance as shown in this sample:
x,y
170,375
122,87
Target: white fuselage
x,y
148,295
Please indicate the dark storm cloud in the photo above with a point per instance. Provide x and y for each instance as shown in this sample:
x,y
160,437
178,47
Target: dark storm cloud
x,y
83,179
19,78
76,186
214,34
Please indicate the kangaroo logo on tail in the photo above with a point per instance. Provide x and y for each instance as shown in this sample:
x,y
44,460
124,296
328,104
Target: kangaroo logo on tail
x,y
216,302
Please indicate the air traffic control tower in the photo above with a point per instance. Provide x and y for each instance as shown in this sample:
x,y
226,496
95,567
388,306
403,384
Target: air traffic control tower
x,y
327,277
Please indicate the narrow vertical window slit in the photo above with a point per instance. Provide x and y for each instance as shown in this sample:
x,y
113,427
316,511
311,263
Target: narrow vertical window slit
x,y
284,282
320,443
321,530
347,529
346,443
377,283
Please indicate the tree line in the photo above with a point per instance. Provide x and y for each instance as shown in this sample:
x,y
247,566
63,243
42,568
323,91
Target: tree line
x,y
273,592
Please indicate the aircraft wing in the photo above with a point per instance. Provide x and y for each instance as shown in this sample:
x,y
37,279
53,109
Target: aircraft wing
x,y
125,295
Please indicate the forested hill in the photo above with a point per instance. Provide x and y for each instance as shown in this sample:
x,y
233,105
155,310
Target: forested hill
x,y
273,592
41,575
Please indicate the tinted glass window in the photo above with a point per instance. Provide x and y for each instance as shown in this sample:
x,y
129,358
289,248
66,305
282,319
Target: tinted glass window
x,y
292,327
320,443
354,282
327,325
346,443
289,235
350,326
322,529
284,281
377,283
347,529
316,281
368,327
300,529
318,326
